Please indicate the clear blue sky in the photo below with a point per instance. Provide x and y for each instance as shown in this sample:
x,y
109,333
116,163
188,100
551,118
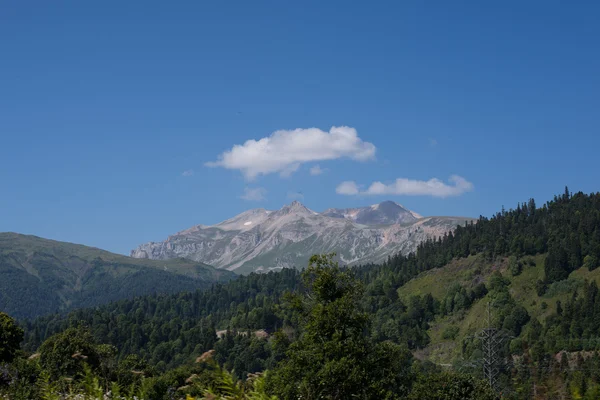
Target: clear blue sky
x,y
105,105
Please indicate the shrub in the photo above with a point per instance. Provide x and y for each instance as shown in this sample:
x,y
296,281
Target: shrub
x,y
451,386
515,267
451,332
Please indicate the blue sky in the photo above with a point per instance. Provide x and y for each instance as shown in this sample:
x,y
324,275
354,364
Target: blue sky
x,y
105,107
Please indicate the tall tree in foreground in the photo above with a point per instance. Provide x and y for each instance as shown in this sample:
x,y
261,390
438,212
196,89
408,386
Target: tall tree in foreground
x,y
334,357
11,336
65,354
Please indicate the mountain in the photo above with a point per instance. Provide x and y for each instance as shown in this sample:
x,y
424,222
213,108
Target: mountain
x,y
40,276
260,240
385,213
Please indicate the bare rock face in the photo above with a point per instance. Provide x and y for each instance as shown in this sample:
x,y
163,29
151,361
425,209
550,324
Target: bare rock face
x,y
385,213
262,240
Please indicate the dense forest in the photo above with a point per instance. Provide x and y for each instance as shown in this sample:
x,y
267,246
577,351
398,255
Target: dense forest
x,y
327,351
567,228
324,332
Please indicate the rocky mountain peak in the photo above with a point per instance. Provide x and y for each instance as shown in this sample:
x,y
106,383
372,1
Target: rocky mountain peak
x,y
384,213
294,207
263,240
390,207
390,203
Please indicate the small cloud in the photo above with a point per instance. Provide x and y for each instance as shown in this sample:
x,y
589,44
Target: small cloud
x,y
410,187
254,194
284,151
348,188
188,172
433,142
295,196
316,170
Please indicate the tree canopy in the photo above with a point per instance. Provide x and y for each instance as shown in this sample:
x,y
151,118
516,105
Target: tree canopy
x,y
335,357
11,336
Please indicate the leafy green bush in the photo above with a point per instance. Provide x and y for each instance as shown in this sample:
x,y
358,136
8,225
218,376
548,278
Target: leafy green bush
x,y
529,260
450,332
566,286
65,354
590,262
540,287
515,266
451,386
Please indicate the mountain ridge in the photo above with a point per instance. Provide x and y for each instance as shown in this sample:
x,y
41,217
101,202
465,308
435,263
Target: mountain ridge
x,y
41,276
261,240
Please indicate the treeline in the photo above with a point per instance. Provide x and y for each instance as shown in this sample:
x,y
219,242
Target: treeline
x,y
573,326
169,329
331,354
567,228
558,357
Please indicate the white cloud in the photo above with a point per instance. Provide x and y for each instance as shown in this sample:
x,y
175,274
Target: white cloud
x,y
284,151
347,188
456,186
289,170
316,170
254,194
189,172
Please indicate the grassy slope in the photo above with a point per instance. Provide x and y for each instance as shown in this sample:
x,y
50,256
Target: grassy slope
x,y
472,270
17,243
39,276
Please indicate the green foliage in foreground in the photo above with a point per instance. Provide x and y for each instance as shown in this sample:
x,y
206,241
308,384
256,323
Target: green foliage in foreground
x,y
334,357
11,336
221,386
450,386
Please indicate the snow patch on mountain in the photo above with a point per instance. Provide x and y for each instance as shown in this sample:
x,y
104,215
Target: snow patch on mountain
x,y
262,240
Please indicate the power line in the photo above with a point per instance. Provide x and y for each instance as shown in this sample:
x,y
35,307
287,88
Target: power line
x,y
492,341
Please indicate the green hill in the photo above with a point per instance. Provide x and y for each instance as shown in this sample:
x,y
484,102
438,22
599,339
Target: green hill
x,y
445,348
40,276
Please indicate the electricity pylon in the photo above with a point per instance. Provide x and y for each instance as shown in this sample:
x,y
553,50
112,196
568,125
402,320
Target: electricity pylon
x,y
492,341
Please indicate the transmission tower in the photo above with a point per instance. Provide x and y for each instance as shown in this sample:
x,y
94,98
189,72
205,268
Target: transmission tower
x,y
492,341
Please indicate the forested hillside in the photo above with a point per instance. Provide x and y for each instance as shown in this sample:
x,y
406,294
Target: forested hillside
x,y
567,228
325,350
169,329
533,268
41,276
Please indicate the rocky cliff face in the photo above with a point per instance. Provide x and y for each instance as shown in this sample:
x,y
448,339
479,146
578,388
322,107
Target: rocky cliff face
x,y
262,240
